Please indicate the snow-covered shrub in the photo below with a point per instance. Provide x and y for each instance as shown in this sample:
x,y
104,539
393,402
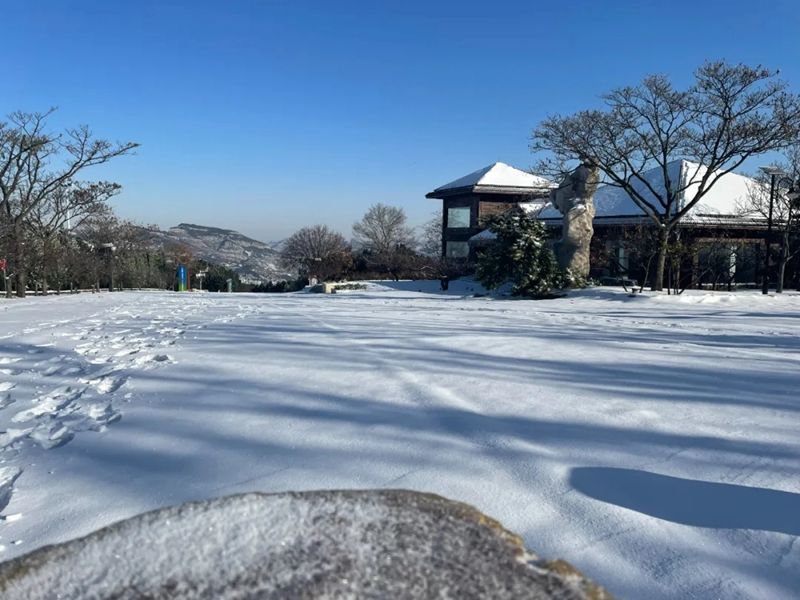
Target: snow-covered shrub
x,y
351,286
520,255
570,279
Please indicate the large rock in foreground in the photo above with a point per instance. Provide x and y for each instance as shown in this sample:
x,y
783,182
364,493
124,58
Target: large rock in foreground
x,y
330,544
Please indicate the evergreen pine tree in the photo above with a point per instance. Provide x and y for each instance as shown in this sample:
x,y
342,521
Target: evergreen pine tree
x,y
520,255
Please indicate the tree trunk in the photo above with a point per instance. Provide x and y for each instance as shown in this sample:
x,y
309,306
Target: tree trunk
x,y
783,258
781,274
695,281
45,261
18,251
58,275
661,259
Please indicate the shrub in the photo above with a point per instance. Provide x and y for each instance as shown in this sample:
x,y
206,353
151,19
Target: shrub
x,y
520,255
281,287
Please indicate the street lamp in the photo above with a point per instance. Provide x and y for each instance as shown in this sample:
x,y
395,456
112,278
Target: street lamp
x,y
776,177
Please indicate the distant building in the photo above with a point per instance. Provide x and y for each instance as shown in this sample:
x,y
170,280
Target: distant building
x,y
468,201
715,223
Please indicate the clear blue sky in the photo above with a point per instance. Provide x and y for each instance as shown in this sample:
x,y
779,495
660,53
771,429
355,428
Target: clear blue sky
x,y
264,116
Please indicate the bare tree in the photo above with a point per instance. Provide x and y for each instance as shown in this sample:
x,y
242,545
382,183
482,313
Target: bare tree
x,y
729,114
136,262
317,251
689,262
383,228
430,243
64,209
35,163
721,259
97,236
385,239
112,251
785,210
641,248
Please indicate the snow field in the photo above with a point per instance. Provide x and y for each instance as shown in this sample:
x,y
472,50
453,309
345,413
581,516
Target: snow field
x,y
651,441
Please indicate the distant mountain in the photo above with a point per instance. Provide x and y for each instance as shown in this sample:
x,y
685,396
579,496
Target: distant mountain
x,y
276,245
252,260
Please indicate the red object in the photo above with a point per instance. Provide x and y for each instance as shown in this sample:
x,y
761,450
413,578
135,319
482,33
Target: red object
x,y
2,264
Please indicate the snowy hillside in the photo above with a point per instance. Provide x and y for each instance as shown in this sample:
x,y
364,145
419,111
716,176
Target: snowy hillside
x,y
650,441
251,259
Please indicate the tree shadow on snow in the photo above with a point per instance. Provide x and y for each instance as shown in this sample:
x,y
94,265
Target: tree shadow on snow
x,y
691,502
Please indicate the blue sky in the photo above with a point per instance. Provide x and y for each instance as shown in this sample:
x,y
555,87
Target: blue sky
x,y
264,116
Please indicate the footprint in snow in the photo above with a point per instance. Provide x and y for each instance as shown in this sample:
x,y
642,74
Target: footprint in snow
x,y
126,352
12,435
100,414
107,385
50,436
152,359
49,404
8,475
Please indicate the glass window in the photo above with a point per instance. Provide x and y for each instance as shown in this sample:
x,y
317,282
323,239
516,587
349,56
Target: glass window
x,y
458,217
622,257
457,249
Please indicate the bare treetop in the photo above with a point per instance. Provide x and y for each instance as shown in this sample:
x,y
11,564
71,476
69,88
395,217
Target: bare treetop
x,y
317,251
729,114
382,229
35,164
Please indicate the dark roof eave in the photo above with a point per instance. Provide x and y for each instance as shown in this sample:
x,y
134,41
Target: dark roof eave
x,y
490,189
622,219
705,221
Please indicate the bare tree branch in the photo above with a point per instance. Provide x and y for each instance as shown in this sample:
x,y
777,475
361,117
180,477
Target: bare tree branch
x,y
729,114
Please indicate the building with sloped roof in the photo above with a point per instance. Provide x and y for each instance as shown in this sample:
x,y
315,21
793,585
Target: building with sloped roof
x,y
720,204
726,245
468,201
715,225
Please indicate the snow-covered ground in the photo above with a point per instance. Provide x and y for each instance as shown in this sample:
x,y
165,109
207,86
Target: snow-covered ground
x,y
651,441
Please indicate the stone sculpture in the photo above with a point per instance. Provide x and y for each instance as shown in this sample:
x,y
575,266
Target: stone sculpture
x,y
574,200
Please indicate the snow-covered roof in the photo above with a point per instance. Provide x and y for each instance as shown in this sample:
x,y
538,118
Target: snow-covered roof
x,y
614,203
498,178
484,236
533,207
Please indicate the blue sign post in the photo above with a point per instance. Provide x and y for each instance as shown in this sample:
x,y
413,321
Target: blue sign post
x,y
182,278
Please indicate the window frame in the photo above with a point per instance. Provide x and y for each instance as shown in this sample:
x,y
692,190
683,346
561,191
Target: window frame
x,y
450,243
468,210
